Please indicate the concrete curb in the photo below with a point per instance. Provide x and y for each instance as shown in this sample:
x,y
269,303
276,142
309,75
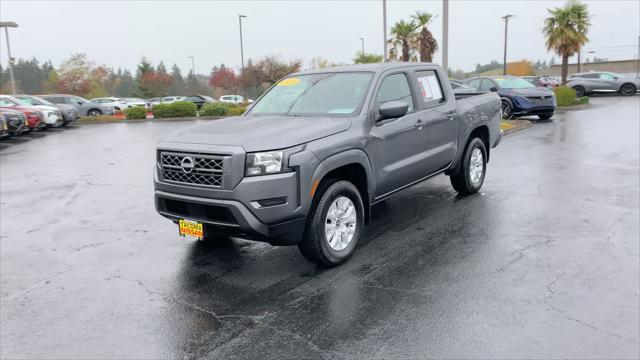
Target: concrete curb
x,y
516,125
125,121
573,107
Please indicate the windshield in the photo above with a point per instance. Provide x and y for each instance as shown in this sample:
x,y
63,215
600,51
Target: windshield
x,y
29,100
513,83
316,94
17,101
40,101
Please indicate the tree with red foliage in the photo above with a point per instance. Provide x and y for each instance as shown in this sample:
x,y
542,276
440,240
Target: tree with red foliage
x,y
224,78
154,84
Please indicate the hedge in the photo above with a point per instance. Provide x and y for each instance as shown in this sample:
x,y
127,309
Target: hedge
x,y
215,109
566,96
136,112
175,110
236,110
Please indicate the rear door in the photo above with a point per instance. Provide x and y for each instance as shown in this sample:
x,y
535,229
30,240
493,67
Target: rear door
x,y
398,146
438,112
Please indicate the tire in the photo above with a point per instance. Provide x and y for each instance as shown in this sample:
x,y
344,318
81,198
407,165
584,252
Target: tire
x,y
580,92
507,110
545,116
628,90
338,203
94,112
462,180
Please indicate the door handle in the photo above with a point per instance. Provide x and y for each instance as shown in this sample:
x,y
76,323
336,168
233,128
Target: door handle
x,y
419,124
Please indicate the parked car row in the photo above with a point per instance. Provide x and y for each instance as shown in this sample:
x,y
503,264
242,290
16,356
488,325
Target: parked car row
x,y
199,100
26,113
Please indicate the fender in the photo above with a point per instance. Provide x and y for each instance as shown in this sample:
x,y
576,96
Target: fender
x,y
347,157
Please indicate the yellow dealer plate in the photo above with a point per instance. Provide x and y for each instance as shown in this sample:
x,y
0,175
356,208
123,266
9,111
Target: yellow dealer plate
x,y
191,229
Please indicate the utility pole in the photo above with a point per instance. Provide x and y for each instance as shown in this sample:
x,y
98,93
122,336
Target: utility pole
x,y
6,25
506,28
362,40
384,27
193,65
241,49
579,60
637,55
445,35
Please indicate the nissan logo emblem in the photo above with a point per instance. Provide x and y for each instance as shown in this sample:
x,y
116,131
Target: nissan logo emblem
x,y
187,164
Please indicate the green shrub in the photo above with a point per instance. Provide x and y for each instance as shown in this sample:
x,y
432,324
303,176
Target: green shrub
x,y
136,112
175,110
583,100
215,109
236,110
565,96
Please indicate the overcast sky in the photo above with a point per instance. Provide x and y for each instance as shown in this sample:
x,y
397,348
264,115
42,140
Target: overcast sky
x,y
119,33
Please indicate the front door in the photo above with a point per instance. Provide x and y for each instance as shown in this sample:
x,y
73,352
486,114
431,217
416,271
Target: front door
x,y
397,146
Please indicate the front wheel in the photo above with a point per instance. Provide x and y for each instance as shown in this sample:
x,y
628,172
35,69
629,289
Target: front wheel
x,y
94,112
580,92
507,110
627,90
335,225
469,176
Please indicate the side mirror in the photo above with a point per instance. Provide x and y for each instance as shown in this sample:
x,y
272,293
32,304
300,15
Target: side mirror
x,y
393,109
79,102
494,89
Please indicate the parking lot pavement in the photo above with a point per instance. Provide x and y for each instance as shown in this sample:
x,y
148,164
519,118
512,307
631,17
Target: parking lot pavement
x,y
543,263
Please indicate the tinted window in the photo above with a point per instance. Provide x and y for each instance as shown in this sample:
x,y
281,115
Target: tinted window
x,y
55,99
395,88
430,88
589,76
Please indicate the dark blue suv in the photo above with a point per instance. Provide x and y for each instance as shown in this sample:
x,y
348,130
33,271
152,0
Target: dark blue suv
x,y
519,97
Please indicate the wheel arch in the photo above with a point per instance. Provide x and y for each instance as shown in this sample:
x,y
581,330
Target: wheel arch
x,y
351,165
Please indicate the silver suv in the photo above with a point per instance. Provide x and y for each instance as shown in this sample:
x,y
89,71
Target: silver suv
x,y
82,105
603,82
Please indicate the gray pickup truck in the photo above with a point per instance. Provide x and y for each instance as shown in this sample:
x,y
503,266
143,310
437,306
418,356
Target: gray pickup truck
x,y
306,162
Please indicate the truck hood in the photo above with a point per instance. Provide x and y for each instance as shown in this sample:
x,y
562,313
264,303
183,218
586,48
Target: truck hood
x,y
257,133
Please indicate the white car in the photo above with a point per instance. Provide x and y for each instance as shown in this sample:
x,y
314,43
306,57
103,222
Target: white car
x,y
116,103
232,99
52,116
131,102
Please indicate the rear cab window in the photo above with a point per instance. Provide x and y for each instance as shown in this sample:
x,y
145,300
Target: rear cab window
x,y
430,88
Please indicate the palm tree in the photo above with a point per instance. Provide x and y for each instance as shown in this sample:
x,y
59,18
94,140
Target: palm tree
x,y
428,44
403,33
566,31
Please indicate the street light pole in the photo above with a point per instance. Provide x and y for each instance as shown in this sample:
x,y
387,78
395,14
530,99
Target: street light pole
x,y
384,28
193,65
6,25
506,28
241,49
445,35
362,40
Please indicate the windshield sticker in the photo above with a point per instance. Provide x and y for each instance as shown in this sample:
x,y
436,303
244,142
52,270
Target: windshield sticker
x,y
289,82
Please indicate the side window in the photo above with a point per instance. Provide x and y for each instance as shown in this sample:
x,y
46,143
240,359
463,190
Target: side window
x,y
475,83
70,100
590,76
486,85
605,76
4,102
54,99
395,88
430,88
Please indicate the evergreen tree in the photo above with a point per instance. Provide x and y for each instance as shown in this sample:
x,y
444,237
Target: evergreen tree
x,y
178,86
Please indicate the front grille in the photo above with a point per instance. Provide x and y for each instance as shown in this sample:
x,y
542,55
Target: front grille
x,y
206,170
539,99
194,211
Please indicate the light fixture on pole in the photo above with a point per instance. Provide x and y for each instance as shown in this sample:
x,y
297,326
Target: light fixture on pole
x,y
193,65
6,25
506,28
241,49
362,40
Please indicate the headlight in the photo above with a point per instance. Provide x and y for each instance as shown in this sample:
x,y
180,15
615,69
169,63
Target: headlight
x,y
262,163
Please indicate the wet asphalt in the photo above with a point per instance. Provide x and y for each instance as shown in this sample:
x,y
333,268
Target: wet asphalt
x,y
543,263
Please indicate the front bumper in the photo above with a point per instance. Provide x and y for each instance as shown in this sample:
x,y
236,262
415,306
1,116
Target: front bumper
x,y
264,208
